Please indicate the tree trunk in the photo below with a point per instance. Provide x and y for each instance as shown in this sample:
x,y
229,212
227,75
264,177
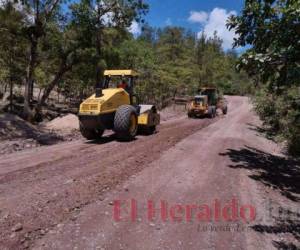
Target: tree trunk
x,y
29,79
5,88
11,94
99,52
62,70
40,91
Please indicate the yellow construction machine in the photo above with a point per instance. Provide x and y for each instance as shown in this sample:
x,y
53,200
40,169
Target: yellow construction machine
x,y
115,106
207,103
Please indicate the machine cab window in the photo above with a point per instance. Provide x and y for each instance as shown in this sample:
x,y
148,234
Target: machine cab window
x,y
200,100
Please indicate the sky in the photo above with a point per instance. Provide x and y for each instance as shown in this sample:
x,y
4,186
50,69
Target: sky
x,y
196,15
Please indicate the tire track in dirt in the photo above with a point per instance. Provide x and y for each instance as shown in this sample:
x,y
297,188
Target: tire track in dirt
x,y
42,195
192,171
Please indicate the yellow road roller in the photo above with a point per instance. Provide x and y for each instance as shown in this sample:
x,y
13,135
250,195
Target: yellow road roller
x,y
115,106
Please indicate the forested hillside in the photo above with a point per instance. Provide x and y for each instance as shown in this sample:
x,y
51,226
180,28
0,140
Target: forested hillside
x,y
65,47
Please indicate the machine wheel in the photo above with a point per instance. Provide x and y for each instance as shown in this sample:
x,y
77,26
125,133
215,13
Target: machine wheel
x,y
190,115
211,111
91,134
126,122
150,130
146,130
224,110
215,111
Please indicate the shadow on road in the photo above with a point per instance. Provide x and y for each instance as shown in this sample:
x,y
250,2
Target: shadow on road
x,y
112,137
281,174
108,139
103,140
287,222
285,246
261,130
277,172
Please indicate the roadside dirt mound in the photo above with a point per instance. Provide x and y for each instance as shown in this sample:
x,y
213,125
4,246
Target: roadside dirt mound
x,y
172,112
16,134
12,127
66,124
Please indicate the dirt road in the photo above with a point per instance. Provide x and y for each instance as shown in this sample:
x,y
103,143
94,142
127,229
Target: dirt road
x,y
65,196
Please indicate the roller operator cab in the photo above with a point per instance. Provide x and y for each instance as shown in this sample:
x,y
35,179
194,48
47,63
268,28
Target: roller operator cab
x,y
114,106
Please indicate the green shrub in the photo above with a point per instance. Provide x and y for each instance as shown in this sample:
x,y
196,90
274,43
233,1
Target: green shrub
x,y
281,113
